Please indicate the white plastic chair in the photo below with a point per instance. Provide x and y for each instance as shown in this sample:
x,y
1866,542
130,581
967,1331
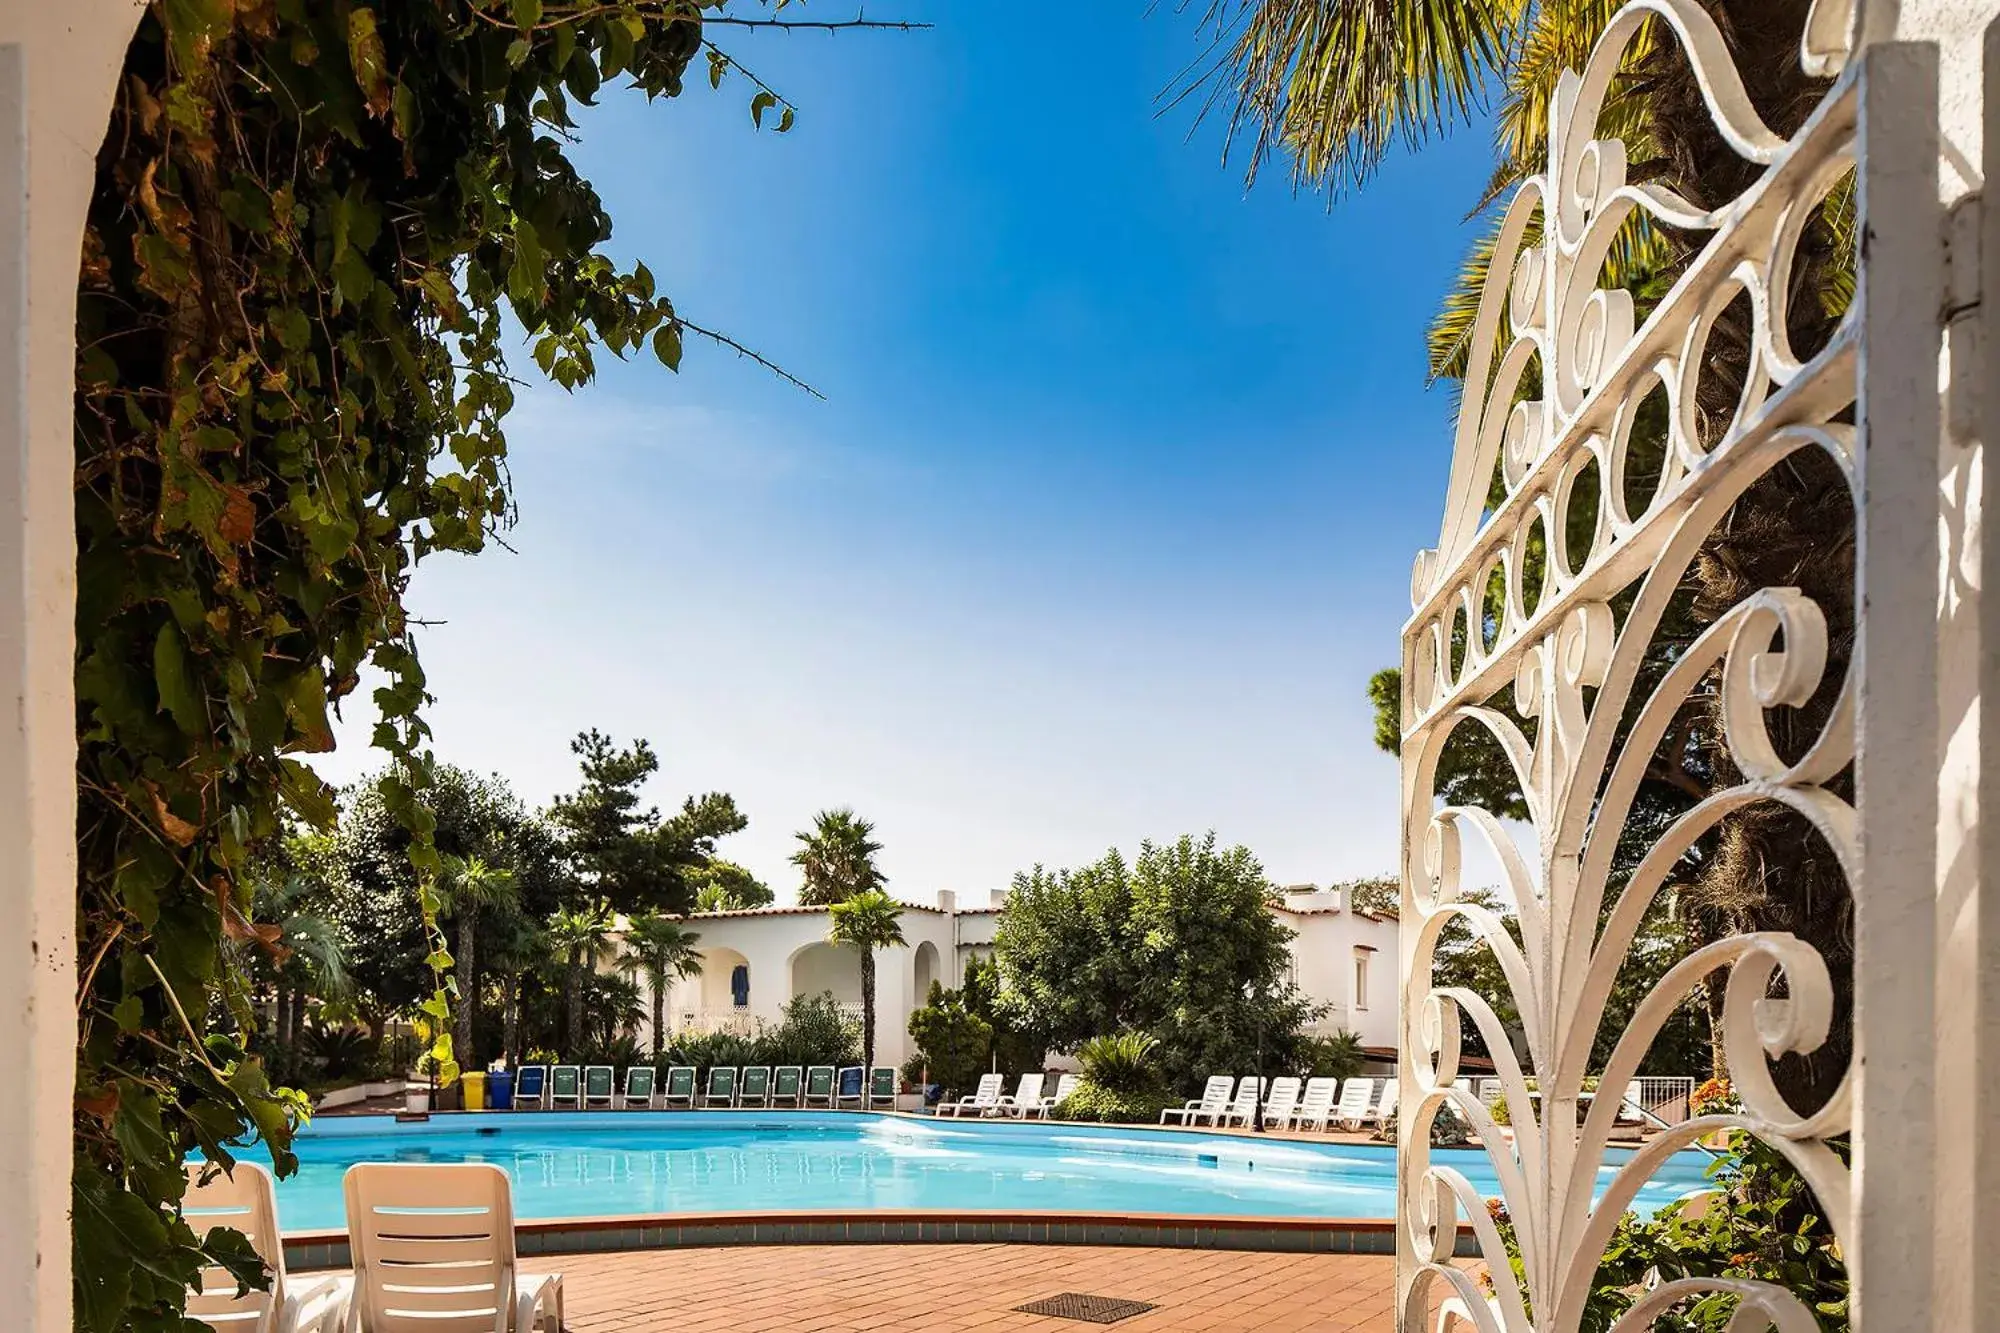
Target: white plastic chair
x,y
1243,1108
1064,1087
244,1200
1315,1105
1214,1097
433,1252
1357,1097
1281,1102
1385,1109
984,1098
1026,1098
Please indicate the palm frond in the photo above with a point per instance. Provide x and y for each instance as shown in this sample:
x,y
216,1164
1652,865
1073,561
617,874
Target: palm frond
x,y
1336,84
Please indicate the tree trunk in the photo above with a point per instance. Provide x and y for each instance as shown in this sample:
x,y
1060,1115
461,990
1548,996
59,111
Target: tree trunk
x,y
659,980
468,986
510,1017
573,1006
867,1021
295,1007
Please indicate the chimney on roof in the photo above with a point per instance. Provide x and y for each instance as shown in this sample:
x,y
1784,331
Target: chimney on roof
x,y
1311,898
947,902
997,897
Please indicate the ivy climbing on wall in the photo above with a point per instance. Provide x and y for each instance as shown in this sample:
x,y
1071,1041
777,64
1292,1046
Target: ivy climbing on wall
x,y
314,222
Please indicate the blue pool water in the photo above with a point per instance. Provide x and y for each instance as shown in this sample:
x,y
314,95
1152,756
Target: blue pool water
x,y
568,1164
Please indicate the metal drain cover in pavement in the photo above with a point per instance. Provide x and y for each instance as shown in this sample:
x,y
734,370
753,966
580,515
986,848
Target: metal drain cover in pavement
x,y
1089,1309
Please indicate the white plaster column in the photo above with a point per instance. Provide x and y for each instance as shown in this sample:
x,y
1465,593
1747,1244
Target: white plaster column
x,y
58,67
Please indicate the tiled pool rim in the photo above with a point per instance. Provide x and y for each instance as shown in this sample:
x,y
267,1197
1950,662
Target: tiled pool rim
x,y
666,1231
660,1231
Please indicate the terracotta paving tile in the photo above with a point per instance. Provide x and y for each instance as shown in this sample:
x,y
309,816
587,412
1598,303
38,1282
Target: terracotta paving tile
x,y
967,1289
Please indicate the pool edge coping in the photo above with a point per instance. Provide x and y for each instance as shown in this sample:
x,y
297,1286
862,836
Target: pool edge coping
x,y
307,1250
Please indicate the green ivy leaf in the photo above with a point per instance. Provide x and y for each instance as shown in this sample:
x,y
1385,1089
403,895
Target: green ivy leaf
x,y
370,62
170,678
527,13
759,104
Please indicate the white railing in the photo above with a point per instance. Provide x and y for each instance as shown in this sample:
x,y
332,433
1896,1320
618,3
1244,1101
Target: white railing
x,y
1665,1098
736,1021
1551,645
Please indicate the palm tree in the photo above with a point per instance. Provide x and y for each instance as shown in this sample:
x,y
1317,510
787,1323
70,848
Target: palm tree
x,y
577,935
512,945
869,920
309,959
470,885
1335,84
837,857
664,951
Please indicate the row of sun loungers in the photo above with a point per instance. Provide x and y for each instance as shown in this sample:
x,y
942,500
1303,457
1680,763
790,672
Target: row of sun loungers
x,y
432,1244
1027,1101
1289,1103
1321,1103
596,1087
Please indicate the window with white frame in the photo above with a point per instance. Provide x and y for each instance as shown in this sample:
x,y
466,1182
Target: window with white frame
x,y
1361,977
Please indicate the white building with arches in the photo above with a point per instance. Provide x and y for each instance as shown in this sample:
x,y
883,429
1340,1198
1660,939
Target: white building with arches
x,y
756,960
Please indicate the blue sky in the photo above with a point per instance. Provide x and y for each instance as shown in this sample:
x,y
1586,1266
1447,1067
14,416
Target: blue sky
x,y
1105,520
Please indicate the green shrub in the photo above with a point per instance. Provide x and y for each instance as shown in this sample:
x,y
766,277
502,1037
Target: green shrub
x,y
342,1052
1121,1063
621,1051
1090,1102
1337,1056
812,1030
954,1044
1763,1225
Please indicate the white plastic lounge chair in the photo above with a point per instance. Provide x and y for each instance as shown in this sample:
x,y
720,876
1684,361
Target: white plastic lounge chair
x,y
433,1249
983,1099
1243,1107
1491,1092
1356,1105
1064,1087
1385,1109
1027,1096
244,1200
1213,1098
600,1087
565,1087
1315,1105
639,1087
680,1088
819,1085
1281,1102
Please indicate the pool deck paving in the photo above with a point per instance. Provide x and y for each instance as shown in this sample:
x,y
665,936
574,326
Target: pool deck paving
x,y
967,1289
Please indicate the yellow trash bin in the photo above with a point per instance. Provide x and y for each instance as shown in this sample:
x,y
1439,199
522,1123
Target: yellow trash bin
x,y
475,1090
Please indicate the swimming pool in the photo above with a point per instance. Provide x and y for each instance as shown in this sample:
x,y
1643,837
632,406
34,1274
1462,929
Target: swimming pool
x,y
622,1164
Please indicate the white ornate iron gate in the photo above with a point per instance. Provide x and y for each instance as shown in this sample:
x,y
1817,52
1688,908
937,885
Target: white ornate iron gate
x,y
1514,600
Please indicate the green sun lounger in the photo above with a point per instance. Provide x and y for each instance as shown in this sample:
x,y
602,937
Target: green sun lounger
x,y
755,1089
882,1087
680,1087
721,1087
819,1086
565,1087
639,1087
785,1085
600,1087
